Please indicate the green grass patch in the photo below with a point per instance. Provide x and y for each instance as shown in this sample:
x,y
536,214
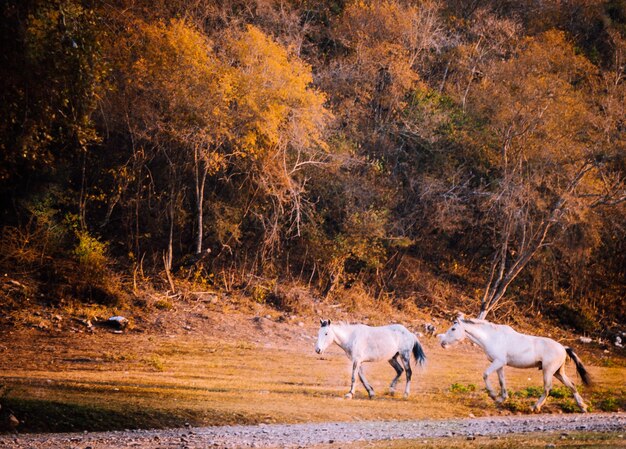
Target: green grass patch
x,y
610,400
461,388
530,392
560,392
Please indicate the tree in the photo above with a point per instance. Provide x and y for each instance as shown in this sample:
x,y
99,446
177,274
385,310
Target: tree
x,y
53,73
385,46
279,123
178,95
548,151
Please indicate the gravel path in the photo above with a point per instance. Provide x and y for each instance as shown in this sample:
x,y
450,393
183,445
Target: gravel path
x,y
302,435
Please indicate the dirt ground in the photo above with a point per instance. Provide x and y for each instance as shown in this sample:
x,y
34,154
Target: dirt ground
x,y
205,367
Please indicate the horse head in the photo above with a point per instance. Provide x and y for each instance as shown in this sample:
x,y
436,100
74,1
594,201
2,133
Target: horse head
x,y
325,336
455,334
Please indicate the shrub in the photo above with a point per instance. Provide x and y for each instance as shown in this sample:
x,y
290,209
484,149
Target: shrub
x,y
291,298
560,392
530,392
569,406
515,406
581,319
163,304
90,252
608,405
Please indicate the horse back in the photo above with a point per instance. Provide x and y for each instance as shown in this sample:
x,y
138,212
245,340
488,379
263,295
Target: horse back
x,y
382,342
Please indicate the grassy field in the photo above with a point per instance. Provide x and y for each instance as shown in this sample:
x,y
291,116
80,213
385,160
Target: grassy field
x,y
250,374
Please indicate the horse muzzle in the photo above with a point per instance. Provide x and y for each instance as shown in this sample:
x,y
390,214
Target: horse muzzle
x,y
318,350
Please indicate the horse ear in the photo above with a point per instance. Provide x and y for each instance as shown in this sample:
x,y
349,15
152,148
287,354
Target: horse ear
x,y
322,323
460,316
328,322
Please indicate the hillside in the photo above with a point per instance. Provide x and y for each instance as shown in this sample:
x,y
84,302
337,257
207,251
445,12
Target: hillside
x,y
397,159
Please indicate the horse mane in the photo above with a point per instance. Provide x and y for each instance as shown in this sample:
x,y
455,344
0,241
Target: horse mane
x,y
477,321
342,323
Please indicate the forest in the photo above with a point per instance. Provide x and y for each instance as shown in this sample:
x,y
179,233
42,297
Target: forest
x,y
433,154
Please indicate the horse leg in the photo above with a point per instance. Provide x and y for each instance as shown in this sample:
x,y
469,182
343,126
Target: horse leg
x,y
406,361
355,368
547,386
399,370
368,387
560,374
495,365
503,393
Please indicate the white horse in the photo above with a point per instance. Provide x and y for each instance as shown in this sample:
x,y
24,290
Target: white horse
x,y
369,344
504,346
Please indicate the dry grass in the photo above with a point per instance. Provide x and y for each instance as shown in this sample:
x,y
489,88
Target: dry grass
x,y
255,371
530,441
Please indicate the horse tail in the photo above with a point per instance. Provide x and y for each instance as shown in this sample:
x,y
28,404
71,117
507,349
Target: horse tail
x,y
582,372
418,352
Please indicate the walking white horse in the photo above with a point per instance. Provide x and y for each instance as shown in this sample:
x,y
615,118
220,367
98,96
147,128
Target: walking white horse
x,y
370,344
504,346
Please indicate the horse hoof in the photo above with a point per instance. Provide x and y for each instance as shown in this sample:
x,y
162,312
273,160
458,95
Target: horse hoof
x,y
392,392
372,396
405,395
348,396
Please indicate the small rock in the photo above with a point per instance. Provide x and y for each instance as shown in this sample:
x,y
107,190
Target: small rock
x,y
550,446
585,339
471,415
300,324
57,318
118,322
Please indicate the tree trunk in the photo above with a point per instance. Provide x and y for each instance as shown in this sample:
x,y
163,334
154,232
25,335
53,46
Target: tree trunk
x,y
168,257
201,172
